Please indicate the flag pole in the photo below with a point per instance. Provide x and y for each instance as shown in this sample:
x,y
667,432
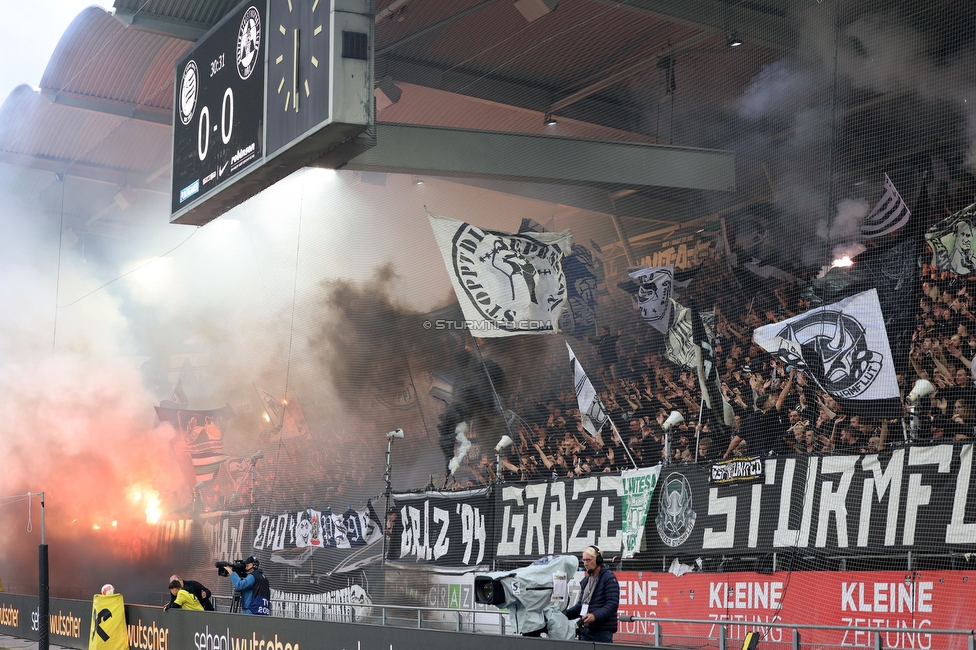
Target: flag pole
x,y
621,439
497,400
701,411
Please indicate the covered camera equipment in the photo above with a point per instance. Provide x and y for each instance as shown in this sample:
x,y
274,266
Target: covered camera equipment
x,y
534,595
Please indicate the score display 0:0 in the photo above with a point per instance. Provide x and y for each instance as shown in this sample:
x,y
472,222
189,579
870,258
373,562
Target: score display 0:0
x,y
226,124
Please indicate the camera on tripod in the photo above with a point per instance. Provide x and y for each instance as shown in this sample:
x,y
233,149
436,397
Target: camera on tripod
x,y
237,566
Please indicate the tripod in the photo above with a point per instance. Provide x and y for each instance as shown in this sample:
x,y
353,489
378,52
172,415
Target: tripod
x,y
235,604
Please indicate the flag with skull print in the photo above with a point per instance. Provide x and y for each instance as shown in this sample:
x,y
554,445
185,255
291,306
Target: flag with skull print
x,y
507,283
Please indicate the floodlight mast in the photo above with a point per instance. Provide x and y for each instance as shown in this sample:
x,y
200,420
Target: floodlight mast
x,y
390,437
43,587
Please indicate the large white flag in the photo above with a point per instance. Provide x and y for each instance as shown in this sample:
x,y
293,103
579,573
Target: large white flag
x,y
844,345
890,214
506,283
591,410
654,295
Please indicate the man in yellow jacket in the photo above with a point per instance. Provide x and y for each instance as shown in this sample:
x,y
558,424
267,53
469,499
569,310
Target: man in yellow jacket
x,y
184,599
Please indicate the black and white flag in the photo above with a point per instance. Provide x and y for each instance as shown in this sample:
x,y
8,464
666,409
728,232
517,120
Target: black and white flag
x,y
679,345
890,214
951,241
654,286
506,283
842,346
591,410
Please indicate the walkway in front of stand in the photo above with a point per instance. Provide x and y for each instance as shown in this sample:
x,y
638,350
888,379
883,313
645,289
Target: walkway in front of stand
x,y
13,643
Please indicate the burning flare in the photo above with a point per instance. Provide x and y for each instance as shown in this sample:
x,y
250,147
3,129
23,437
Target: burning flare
x,y
148,498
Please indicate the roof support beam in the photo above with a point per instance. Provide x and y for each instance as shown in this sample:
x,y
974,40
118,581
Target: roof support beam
x,y
754,26
436,151
93,173
512,92
163,25
109,107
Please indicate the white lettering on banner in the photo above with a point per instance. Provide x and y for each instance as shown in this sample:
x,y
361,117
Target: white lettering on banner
x,y
557,517
720,506
773,634
421,526
835,502
443,543
745,595
533,518
415,540
959,532
472,530
881,482
610,542
918,494
511,522
784,535
865,637
225,540
638,592
525,511
893,597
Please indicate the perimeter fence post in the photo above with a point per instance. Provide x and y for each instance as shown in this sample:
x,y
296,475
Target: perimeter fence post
x,y
796,638
721,638
658,634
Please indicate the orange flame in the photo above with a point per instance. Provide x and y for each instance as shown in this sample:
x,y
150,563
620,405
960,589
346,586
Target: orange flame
x,y
139,494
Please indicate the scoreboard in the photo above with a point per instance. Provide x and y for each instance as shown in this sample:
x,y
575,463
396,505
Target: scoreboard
x,y
273,86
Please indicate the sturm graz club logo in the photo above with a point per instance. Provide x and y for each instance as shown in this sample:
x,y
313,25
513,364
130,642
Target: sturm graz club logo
x,y
249,42
189,89
675,518
849,366
516,281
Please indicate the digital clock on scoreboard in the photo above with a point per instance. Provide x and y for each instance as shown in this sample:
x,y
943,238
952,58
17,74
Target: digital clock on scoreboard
x,y
218,130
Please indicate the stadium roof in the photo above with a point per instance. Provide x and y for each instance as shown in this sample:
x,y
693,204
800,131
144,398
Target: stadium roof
x,y
102,114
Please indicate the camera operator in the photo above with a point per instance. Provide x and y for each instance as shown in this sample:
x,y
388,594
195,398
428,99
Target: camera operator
x,y
197,589
597,606
248,579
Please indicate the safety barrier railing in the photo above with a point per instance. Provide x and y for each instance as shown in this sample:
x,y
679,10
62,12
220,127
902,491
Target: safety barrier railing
x,y
660,632
454,619
873,636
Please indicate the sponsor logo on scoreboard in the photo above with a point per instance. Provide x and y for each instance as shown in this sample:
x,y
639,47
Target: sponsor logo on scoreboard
x,y
189,190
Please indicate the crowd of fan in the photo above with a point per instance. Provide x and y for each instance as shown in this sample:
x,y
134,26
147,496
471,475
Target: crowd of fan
x,y
778,409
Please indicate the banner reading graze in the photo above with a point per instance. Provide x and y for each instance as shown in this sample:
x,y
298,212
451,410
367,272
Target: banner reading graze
x,y
886,599
565,516
916,498
449,531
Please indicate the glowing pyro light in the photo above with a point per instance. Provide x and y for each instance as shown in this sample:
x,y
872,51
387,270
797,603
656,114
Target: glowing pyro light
x,y
843,261
115,524
141,495
153,510
267,418
285,402
96,527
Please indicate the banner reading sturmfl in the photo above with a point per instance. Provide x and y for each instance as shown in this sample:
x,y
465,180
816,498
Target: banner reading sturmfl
x,y
506,283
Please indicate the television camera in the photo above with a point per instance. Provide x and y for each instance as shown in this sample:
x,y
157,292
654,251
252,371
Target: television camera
x,y
536,595
237,566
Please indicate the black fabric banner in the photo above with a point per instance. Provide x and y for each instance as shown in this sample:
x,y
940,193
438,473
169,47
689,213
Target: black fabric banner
x,y
443,531
560,517
913,499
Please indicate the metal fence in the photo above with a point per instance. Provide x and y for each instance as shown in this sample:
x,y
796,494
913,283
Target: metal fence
x,y
659,632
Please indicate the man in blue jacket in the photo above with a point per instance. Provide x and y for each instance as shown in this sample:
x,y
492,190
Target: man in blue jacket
x,y
597,606
254,587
